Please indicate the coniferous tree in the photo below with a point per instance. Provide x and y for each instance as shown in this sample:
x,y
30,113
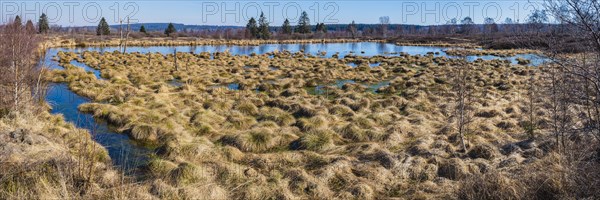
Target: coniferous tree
x,y
286,28
43,26
143,29
321,28
18,21
170,29
103,28
303,24
29,27
252,28
264,32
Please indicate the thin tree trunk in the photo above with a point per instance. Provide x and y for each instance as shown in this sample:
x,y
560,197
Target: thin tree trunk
x,y
175,59
126,36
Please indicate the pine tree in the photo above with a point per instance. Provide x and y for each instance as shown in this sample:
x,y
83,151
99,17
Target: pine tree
x,y
303,24
252,28
43,26
263,27
143,29
103,28
170,29
29,27
321,28
18,21
286,28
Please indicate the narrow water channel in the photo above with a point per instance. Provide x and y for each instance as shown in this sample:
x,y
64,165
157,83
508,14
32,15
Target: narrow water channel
x,y
125,153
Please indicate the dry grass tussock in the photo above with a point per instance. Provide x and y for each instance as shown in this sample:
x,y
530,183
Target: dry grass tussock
x,y
554,176
298,126
45,157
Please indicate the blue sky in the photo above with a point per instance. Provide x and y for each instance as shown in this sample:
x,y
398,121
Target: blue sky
x,y
424,12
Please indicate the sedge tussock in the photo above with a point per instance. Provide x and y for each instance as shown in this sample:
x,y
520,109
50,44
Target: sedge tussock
x,y
293,126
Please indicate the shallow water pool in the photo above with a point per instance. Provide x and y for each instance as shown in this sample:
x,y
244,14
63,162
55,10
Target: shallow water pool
x,y
124,153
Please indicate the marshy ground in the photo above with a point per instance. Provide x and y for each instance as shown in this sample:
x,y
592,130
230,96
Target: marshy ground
x,y
294,125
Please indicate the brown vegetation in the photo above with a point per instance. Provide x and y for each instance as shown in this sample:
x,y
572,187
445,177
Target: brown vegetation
x,y
271,138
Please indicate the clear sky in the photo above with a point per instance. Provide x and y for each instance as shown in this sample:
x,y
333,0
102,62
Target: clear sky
x,y
424,12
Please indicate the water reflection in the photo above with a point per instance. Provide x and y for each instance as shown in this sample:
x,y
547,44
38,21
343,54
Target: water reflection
x,y
382,48
369,49
123,151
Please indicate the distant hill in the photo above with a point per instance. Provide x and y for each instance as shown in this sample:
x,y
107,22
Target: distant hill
x,y
163,26
179,26
330,27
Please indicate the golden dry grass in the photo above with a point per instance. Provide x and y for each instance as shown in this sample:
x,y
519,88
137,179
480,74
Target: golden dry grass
x,y
44,157
274,138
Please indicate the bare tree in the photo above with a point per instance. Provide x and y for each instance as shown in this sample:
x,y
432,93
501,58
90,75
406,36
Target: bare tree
x,y
463,93
583,17
467,25
532,97
536,20
559,105
490,25
451,24
574,90
352,29
21,81
126,36
384,23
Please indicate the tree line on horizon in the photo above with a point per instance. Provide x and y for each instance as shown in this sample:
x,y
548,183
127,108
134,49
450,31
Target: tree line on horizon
x,y
261,28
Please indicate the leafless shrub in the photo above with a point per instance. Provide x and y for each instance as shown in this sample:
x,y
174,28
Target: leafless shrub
x,y
21,82
572,94
462,86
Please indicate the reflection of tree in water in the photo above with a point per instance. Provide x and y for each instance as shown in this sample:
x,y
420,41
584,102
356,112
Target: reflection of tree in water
x,y
282,47
354,46
203,48
263,49
323,47
382,48
220,48
397,48
305,47
193,48
245,50
172,49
